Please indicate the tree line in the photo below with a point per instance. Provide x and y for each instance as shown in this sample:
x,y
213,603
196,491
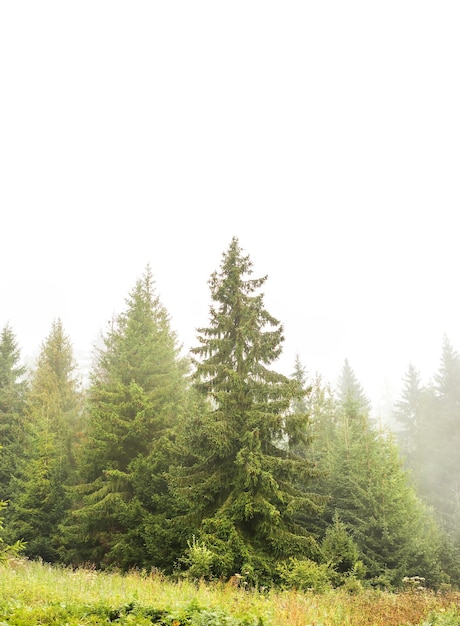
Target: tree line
x,y
215,465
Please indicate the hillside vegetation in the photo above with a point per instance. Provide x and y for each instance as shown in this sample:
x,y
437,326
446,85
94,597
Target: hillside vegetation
x,y
34,593
215,466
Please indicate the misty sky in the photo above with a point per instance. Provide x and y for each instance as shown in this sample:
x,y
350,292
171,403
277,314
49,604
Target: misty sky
x,y
324,135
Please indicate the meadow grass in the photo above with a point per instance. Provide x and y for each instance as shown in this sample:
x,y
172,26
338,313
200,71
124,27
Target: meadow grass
x,y
36,593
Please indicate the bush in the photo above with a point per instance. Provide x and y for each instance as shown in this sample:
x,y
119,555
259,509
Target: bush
x,y
305,575
198,560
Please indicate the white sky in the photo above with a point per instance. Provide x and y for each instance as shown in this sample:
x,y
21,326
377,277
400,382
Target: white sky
x,y
325,135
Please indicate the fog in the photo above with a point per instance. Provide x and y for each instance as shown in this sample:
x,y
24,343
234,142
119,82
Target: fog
x,y
325,137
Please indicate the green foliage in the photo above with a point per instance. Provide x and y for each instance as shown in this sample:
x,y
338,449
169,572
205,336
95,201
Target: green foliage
x,y
198,560
11,371
47,466
35,593
450,617
408,413
372,496
305,575
218,618
241,471
12,397
341,566
135,399
340,551
8,551
350,393
430,439
127,614
274,478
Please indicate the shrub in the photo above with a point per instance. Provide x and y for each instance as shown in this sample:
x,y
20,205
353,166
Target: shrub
x,y
198,560
304,574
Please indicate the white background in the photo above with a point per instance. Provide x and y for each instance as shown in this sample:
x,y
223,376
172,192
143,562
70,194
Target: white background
x,y
324,135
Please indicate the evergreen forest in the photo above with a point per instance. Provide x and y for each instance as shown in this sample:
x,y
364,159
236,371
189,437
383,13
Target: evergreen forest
x,y
214,465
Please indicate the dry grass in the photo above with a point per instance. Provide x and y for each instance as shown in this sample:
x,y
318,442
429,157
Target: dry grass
x,y
367,608
39,585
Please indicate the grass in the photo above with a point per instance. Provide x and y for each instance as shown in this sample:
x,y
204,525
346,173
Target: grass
x,y
35,593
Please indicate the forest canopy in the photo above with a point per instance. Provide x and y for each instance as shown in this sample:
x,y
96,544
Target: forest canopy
x,y
215,464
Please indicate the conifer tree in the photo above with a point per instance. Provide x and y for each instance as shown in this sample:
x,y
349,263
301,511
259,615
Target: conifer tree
x,y
322,407
300,375
446,432
135,398
8,551
47,465
350,392
440,473
12,393
408,413
430,417
240,483
438,448
372,495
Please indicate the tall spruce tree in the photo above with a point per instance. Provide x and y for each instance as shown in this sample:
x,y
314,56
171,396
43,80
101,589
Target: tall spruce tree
x,y
47,464
135,398
241,482
12,394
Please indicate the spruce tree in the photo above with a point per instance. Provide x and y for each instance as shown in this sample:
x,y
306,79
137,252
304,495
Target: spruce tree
x,y
433,415
299,374
12,392
7,551
408,413
135,398
445,431
371,493
240,482
350,392
296,427
430,439
46,469
438,451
